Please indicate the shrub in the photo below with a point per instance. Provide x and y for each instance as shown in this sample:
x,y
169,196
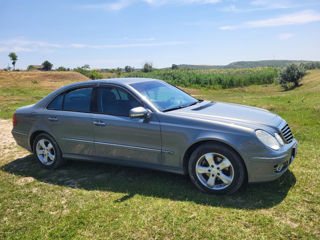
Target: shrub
x,y
63,69
92,74
291,74
30,67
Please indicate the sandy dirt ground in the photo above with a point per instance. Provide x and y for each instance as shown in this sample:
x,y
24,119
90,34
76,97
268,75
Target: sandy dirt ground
x,y
7,142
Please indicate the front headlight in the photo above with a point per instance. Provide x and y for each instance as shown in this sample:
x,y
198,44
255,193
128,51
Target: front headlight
x,y
279,138
268,140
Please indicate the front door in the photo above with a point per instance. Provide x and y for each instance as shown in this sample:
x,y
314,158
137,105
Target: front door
x,y
117,136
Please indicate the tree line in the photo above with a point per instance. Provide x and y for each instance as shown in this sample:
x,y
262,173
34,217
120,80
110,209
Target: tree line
x,y
288,77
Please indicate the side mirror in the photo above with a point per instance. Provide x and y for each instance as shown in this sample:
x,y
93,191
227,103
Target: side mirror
x,y
139,112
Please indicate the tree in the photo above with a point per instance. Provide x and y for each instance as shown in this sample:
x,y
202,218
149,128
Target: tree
x,y
147,67
86,66
128,69
292,73
47,66
174,67
14,58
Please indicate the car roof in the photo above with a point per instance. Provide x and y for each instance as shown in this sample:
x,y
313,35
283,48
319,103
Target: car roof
x,y
119,81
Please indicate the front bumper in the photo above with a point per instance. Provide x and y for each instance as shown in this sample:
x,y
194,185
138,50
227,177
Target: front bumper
x,y
269,168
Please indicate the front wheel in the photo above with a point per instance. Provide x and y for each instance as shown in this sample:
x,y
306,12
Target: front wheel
x,y
216,168
47,151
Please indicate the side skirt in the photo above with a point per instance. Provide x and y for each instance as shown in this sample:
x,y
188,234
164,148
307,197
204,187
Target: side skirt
x,y
124,163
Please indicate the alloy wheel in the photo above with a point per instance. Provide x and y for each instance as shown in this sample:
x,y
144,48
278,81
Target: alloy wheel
x,y
45,152
214,171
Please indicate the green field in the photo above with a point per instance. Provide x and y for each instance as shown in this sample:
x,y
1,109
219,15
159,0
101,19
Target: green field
x,y
99,201
212,79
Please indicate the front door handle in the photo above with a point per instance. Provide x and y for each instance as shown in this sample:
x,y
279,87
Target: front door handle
x,y
99,123
52,118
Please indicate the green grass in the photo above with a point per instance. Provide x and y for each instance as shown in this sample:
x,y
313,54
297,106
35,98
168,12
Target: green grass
x,y
99,201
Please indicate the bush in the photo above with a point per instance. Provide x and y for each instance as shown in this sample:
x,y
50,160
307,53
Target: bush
x,y
47,66
63,69
30,67
92,74
311,65
291,74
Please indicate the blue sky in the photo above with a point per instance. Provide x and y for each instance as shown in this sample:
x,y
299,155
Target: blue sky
x,y
107,34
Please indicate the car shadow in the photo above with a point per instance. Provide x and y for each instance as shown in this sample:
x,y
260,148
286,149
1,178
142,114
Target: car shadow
x,y
132,181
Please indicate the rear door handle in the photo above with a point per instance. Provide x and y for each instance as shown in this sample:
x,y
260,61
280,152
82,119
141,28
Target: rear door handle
x,y
99,123
52,118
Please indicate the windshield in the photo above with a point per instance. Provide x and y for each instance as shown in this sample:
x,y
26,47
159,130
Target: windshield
x,y
164,96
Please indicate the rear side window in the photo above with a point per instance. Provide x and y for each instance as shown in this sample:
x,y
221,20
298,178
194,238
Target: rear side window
x,y
78,100
56,104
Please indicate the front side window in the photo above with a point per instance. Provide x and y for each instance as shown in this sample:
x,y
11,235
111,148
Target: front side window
x,y
115,101
78,100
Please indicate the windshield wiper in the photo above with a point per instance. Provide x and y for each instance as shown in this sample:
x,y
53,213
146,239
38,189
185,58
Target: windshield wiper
x,y
194,103
183,106
174,108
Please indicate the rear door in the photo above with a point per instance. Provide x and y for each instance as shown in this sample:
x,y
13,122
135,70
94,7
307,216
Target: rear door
x,y
117,136
70,120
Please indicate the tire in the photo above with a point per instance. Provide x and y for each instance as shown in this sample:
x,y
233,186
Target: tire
x,y
216,168
47,151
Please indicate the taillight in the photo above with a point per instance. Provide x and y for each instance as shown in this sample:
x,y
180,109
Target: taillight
x,y
14,120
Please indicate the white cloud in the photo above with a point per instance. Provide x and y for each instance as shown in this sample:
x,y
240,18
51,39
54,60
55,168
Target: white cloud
x,y
285,36
23,45
159,2
265,5
201,1
121,4
272,4
139,39
128,45
113,6
302,17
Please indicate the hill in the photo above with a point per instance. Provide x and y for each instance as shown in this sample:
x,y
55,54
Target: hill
x,y
246,64
23,87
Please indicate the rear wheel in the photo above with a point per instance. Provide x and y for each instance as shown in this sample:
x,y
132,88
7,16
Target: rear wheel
x,y
47,151
216,168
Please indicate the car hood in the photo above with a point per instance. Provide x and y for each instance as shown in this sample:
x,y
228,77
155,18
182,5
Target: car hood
x,y
229,112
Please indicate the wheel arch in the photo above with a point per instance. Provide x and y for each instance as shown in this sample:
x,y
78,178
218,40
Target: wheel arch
x,y
195,145
35,134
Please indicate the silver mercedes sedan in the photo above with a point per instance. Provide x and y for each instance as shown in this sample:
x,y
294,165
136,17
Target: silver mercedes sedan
x,y
152,124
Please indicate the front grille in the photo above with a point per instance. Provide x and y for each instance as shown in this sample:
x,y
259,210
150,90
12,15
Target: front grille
x,y
287,134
